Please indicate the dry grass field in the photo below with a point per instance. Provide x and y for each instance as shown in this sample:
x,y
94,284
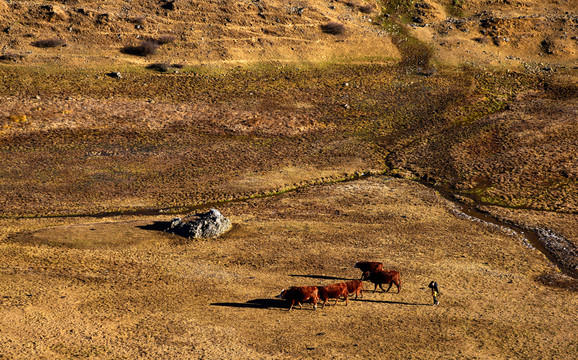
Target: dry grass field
x,y
322,129
119,288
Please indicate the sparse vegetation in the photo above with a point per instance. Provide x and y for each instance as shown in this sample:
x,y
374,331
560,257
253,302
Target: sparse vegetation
x,y
161,67
165,39
49,43
92,162
333,28
11,57
455,8
145,48
366,9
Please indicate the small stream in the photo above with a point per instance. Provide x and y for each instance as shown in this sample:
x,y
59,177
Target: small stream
x,y
559,250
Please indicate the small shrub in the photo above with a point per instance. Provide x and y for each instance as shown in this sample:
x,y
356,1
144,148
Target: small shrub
x,y
366,9
49,43
139,20
161,67
164,67
333,28
145,48
481,39
165,39
11,57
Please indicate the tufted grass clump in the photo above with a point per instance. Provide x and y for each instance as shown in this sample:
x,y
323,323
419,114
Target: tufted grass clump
x,y
366,9
165,39
145,48
333,28
49,43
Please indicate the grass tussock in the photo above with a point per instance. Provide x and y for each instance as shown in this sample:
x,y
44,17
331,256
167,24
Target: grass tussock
x,y
49,43
145,48
165,39
11,57
148,47
366,9
333,28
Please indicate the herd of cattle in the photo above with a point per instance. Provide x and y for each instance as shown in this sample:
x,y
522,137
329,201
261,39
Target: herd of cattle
x,y
372,271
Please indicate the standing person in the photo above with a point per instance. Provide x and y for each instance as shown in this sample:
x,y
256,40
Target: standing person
x,y
434,292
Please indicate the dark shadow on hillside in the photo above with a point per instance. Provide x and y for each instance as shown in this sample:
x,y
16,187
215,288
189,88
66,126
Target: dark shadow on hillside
x,y
156,226
559,281
393,302
324,277
256,304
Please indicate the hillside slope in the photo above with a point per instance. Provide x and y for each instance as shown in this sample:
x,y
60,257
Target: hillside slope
x,y
500,33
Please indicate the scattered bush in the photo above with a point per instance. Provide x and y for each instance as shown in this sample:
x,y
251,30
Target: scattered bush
x,y
49,43
139,20
162,67
333,28
145,48
165,39
482,39
11,57
366,9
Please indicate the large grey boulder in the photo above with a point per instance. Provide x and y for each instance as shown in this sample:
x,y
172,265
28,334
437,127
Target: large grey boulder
x,y
201,225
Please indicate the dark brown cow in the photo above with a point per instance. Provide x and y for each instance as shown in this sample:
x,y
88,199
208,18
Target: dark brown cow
x,y
355,287
300,294
384,277
334,291
368,266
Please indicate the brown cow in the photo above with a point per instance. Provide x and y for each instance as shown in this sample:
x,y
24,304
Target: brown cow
x,y
355,287
368,266
299,294
334,291
384,277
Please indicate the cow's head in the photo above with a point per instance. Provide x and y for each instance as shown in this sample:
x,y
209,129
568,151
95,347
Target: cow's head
x,y
282,295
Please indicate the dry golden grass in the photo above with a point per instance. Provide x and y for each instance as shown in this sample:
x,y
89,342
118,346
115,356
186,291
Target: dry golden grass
x,y
260,101
118,288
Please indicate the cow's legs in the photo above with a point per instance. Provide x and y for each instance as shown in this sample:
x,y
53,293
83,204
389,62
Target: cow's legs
x,y
391,283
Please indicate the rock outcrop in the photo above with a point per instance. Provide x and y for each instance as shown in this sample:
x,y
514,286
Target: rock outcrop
x,y
201,225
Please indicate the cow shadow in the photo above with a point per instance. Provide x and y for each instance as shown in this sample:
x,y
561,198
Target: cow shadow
x,y
256,304
392,302
323,277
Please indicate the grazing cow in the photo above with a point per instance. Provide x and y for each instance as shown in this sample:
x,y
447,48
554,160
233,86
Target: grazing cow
x,y
368,266
300,294
334,291
384,277
355,287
